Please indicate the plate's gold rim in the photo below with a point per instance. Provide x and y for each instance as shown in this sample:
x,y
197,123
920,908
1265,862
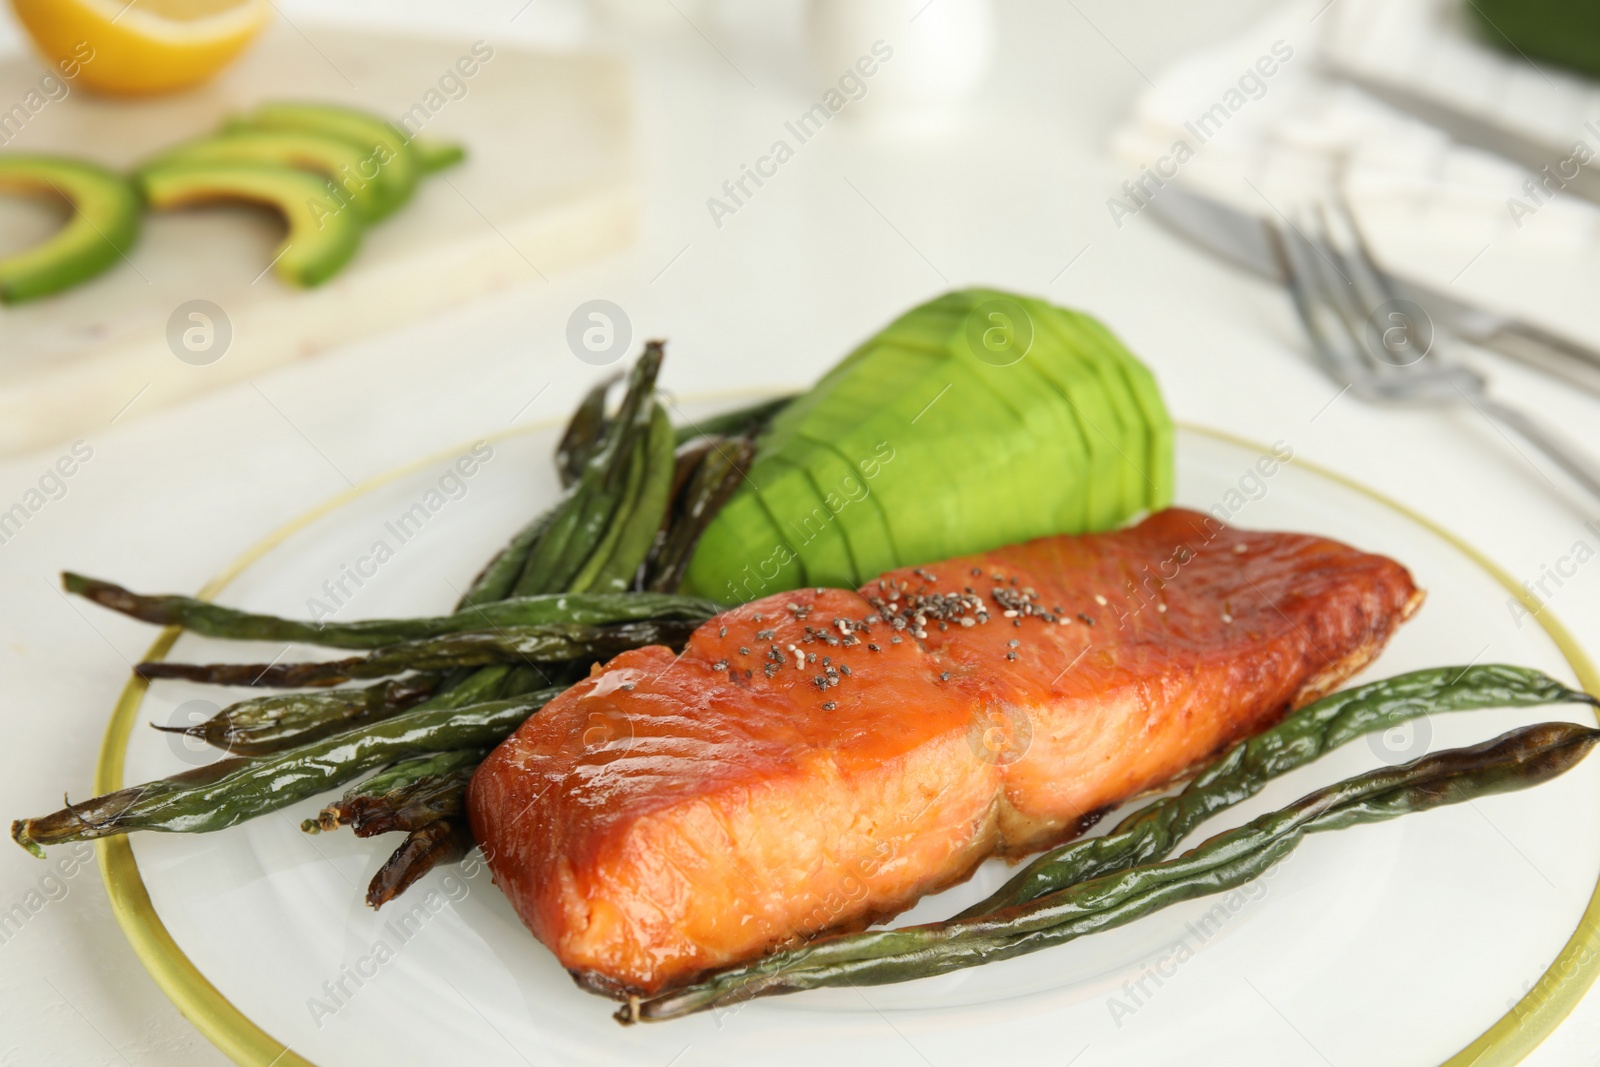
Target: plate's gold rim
x,y
1507,1042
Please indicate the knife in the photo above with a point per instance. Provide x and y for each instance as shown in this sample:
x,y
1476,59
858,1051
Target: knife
x,y
1244,241
1468,129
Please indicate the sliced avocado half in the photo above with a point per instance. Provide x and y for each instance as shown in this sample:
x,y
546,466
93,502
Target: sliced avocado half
x,y
754,558
1038,403
1157,422
317,244
338,159
1121,426
866,532
101,230
797,511
390,157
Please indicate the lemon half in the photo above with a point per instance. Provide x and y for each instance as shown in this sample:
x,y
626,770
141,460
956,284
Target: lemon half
x,y
141,47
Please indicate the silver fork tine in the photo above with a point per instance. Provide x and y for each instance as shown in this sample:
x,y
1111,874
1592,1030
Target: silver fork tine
x,y
1336,288
1309,273
1300,276
1361,260
1401,367
1372,293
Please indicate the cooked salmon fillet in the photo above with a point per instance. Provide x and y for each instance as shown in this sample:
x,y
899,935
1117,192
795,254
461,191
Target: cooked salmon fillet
x,y
819,760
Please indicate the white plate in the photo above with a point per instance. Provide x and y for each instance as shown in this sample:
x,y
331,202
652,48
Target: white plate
x,y
1398,943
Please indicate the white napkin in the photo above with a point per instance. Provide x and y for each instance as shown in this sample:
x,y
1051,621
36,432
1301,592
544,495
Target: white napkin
x,y
1265,124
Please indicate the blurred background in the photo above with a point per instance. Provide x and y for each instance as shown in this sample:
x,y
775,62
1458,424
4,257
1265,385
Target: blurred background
x,y
763,183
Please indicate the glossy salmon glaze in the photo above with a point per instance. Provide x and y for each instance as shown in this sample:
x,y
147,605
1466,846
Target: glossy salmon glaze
x,y
819,760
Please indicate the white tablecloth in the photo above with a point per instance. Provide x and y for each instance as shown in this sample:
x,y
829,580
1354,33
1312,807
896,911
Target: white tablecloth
x,y
852,230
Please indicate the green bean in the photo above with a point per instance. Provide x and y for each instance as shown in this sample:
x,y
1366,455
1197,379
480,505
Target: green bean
x,y
557,643
33,834
597,554
474,687
631,537
390,786
584,432
525,563
1515,760
245,788
751,420
499,576
415,806
271,724
415,803
444,841
213,620
1244,769
712,483
533,563
587,509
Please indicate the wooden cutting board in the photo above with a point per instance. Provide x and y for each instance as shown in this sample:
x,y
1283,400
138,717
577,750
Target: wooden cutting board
x,y
548,181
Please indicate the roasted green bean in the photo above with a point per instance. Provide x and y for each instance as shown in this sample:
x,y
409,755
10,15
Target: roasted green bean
x,y
415,805
751,419
627,544
271,724
425,848
214,620
720,470
557,643
245,788
584,432
1515,760
590,504
390,787
500,575
1245,769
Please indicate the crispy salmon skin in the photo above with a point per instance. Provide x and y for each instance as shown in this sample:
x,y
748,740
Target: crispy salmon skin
x,y
819,760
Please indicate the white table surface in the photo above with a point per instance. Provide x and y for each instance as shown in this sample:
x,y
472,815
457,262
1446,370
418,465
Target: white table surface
x,y
857,227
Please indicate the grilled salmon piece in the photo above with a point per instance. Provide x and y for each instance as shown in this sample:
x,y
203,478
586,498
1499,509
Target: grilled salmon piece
x,y
819,760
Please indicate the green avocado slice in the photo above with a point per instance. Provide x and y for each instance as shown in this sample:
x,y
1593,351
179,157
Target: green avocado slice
x,y
1084,392
804,520
318,244
850,393
741,556
338,159
434,156
964,448
1039,405
938,434
846,495
866,532
102,229
1157,421
392,160
1125,426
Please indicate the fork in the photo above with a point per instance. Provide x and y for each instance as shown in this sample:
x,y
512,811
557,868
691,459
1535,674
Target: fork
x,y
1380,347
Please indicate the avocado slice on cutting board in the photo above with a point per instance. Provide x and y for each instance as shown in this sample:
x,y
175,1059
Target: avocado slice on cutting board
x,y
317,244
338,159
434,156
390,156
103,226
